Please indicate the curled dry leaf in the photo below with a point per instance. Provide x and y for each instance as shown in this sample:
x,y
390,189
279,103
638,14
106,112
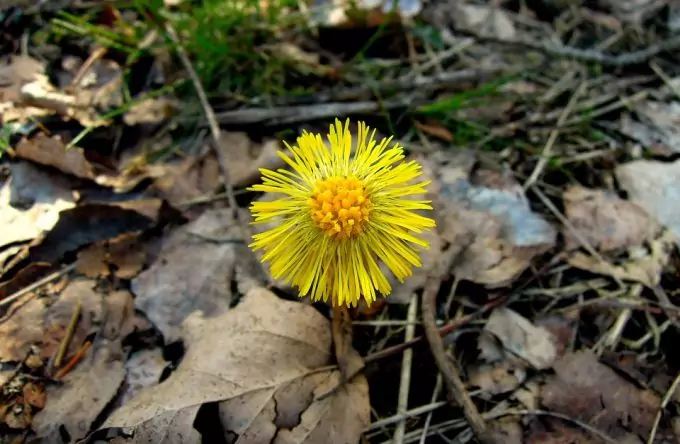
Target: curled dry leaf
x,y
52,151
510,343
605,221
520,338
644,264
586,390
30,203
194,271
258,361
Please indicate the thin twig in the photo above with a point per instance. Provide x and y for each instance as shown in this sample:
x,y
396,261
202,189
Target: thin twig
x,y
405,380
454,383
664,402
552,138
209,114
36,285
66,340
215,133
405,415
590,55
584,426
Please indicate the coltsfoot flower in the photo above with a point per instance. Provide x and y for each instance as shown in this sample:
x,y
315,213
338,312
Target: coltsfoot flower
x,y
340,214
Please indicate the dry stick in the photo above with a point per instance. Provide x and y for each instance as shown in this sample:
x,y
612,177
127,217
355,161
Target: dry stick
x,y
547,149
405,380
209,115
444,330
589,55
70,330
454,383
44,281
664,402
215,132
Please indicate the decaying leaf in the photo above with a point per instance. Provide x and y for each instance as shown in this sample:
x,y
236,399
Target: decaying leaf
x,y
605,221
17,72
122,256
510,344
99,89
143,369
484,20
246,158
180,182
151,111
643,264
487,218
22,326
586,390
30,202
258,361
194,271
520,338
655,187
88,223
74,405
52,151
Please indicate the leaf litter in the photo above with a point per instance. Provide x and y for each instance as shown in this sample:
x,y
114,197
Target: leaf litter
x,y
260,361
150,285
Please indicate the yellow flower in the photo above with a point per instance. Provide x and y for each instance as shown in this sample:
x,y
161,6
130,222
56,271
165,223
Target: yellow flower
x,y
341,213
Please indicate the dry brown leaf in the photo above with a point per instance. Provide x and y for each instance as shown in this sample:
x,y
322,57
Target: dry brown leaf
x,y
20,328
559,433
644,264
655,187
122,256
257,360
58,316
497,379
52,151
143,369
13,75
435,129
487,219
30,202
605,221
520,338
246,158
179,182
486,21
586,390
151,111
194,271
84,394
511,344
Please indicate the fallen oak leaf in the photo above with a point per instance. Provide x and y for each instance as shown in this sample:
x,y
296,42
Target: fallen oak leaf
x,y
262,376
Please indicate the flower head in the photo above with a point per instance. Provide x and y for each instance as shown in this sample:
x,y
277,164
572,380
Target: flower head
x,y
341,212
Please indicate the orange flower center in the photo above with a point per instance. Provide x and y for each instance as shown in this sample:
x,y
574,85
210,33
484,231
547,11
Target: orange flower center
x,y
340,206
